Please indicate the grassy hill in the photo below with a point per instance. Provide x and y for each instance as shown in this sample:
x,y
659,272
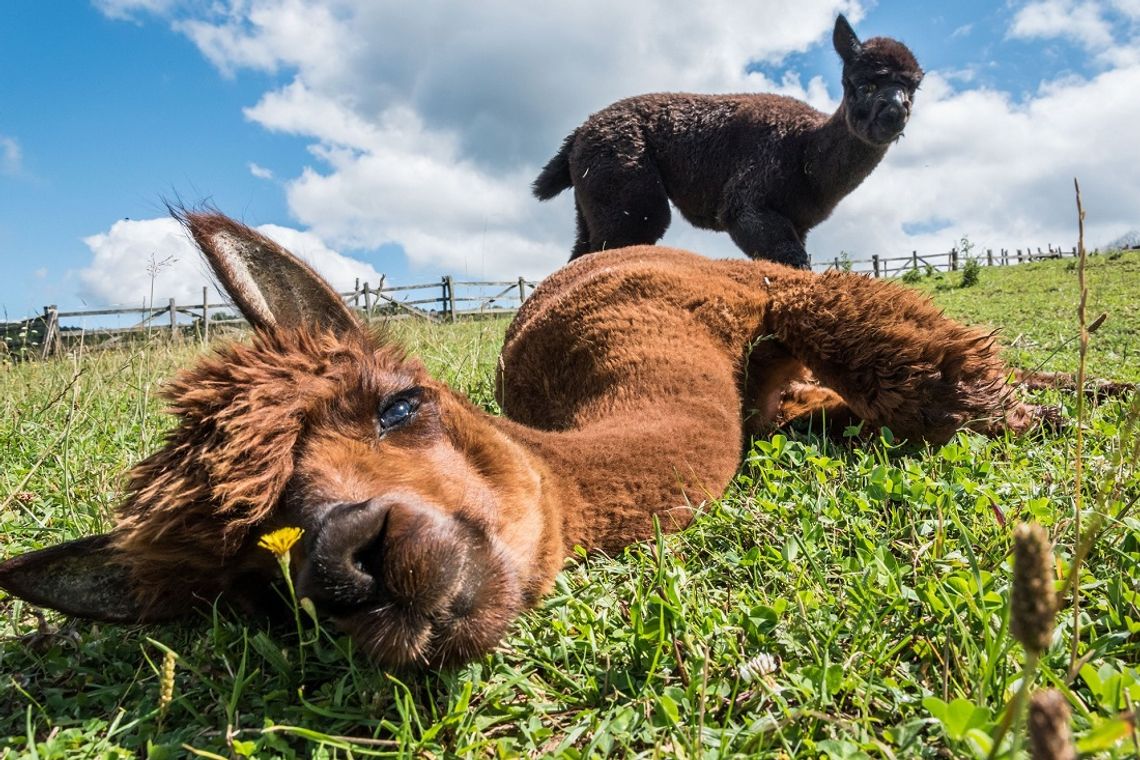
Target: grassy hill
x,y
878,576
1035,306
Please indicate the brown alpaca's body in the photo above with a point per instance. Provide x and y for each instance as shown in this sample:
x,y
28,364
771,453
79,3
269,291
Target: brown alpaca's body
x,y
651,364
629,381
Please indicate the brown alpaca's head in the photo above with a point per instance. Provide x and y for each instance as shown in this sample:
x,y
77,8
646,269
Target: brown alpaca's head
x,y
422,535
880,77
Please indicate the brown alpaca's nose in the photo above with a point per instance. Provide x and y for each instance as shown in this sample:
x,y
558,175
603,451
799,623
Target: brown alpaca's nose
x,y
384,552
343,552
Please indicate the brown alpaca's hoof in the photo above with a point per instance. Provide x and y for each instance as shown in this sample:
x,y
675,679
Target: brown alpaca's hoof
x,y
1049,417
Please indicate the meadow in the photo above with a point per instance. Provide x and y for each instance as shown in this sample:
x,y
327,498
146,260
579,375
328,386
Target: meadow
x,y
844,599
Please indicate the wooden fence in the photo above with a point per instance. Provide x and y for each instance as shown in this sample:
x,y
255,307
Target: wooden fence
x,y
882,266
445,300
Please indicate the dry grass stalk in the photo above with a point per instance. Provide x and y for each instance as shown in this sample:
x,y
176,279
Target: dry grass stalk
x,y
1033,603
1050,737
1075,570
1032,614
166,681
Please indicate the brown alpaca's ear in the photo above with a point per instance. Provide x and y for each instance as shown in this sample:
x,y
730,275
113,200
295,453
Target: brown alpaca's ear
x,y
271,287
83,579
845,41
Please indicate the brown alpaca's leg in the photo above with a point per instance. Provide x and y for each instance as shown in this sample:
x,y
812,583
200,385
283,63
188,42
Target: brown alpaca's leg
x,y
894,358
779,391
1094,387
821,408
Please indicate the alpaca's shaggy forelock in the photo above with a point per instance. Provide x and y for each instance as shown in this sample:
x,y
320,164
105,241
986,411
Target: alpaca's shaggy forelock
x,y
224,467
883,54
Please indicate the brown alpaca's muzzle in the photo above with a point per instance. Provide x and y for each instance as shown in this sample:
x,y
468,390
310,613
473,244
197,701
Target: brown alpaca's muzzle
x,y
410,583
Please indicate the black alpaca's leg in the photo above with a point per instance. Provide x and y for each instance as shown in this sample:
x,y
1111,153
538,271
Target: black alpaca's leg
x,y
623,206
582,243
765,234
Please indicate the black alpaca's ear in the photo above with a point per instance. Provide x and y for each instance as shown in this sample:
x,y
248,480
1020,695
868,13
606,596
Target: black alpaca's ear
x,y
271,287
845,41
81,578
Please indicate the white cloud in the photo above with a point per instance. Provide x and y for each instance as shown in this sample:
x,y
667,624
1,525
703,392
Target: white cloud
x,y
428,121
1129,8
1081,20
125,257
11,156
1000,171
129,9
260,171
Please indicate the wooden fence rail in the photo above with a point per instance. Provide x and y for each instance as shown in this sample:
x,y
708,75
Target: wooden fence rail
x,y
445,300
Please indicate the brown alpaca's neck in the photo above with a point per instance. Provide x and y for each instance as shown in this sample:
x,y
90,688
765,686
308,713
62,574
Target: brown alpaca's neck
x,y
839,161
606,482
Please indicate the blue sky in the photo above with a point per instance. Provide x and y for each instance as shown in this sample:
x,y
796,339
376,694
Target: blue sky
x,y
112,116
403,135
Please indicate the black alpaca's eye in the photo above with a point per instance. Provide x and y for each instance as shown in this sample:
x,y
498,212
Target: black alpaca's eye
x,y
868,88
397,413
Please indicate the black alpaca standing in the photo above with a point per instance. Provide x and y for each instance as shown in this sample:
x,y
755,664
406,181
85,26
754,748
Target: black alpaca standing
x,y
765,168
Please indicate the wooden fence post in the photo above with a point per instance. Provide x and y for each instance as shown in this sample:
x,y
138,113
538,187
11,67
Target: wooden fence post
x,y
449,294
367,302
173,319
954,259
989,257
52,340
522,290
356,294
205,314
914,259
875,263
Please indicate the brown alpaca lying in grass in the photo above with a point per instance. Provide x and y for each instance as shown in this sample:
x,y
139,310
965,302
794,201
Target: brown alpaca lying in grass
x,y
765,168
629,381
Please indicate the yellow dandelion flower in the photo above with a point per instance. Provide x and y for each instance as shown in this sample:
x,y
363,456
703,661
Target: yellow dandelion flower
x,y
281,540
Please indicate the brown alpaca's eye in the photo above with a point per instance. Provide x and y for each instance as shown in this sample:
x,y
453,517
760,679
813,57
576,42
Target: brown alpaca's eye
x,y
398,412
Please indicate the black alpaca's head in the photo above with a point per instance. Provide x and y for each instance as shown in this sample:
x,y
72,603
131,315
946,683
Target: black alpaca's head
x,y
880,77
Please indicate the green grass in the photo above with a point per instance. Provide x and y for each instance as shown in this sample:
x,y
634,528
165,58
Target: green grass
x,y
1035,306
879,576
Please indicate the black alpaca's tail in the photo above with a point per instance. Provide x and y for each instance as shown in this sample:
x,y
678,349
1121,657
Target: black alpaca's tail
x,y
555,176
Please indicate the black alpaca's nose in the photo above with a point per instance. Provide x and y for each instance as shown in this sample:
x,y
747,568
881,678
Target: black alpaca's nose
x,y
345,555
893,116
